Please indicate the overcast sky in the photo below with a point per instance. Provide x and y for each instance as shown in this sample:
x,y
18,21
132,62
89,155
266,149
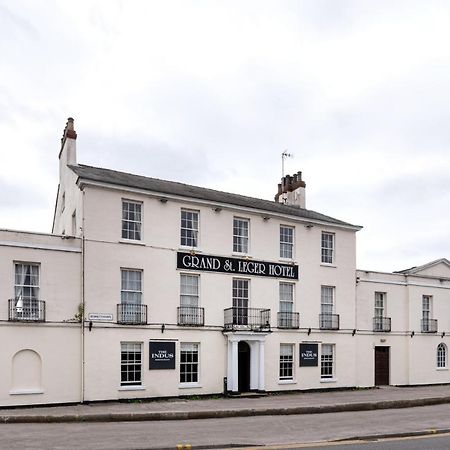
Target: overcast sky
x,y
211,92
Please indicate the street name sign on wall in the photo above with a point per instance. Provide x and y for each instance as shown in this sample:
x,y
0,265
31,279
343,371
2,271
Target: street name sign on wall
x,y
210,263
101,317
162,355
309,355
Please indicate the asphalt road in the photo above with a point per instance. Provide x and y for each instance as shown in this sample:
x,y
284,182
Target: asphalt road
x,y
223,433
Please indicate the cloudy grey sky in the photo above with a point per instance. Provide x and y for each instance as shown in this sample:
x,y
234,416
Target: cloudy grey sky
x,y
211,92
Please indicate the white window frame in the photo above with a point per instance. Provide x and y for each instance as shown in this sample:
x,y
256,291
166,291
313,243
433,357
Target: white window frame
x,y
325,308
74,223
189,235
327,361
286,363
125,288
130,347
327,251
379,310
286,246
441,356
137,233
27,304
427,308
241,242
286,297
194,348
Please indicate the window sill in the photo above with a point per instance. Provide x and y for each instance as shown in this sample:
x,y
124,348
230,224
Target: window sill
x,y
328,265
242,255
328,380
132,388
287,381
287,260
186,248
131,241
441,368
189,385
25,391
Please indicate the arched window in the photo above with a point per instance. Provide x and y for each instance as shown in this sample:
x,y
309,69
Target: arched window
x,y
441,356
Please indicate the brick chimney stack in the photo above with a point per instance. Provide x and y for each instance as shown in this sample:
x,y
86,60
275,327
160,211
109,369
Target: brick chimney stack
x,y
68,153
291,191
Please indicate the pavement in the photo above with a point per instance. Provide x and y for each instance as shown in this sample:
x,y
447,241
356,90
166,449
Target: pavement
x,y
273,404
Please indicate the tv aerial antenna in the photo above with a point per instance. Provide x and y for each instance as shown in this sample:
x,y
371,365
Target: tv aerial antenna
x,y
285,155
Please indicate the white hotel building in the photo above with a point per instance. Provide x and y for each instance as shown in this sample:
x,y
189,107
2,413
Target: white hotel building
x,y
148,288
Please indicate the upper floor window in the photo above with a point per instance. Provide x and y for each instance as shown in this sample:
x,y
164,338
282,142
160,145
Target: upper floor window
x,y
380,304
131,220
74,223
189,294
63,202
286,297
131,291
426,307
327,300
441,356
240,235
26,304
286,242
189,228
26,282
327,247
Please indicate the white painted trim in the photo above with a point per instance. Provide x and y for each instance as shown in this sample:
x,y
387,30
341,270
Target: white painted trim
x,y
189,385
287,381
328,380
403,283
132,388
40,246
25,391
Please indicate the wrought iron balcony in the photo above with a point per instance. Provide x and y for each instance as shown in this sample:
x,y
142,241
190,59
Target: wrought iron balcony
x,y
241,318
329,321
26,310
131,314
289,320
191,316
382,324
429,325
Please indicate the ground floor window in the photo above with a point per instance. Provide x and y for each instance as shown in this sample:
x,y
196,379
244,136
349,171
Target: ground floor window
x,y
189,363
327,361
286,361
131,364
441,356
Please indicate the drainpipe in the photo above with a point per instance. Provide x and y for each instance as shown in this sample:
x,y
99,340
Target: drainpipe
x,y
83,303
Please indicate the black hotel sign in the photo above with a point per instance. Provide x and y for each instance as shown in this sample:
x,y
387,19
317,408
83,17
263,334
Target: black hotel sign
x,y
162,355
239,266
309,355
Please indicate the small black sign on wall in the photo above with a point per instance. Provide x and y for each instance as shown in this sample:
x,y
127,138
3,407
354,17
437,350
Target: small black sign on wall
x,y
309,355
162,355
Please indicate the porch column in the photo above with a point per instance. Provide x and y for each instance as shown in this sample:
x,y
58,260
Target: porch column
x,y
233,380
261,366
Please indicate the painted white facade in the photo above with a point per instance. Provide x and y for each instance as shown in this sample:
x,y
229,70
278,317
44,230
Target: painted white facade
x,y
83,262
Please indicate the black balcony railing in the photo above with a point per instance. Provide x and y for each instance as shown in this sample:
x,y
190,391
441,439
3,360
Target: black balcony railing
x,y
329,321
429,325
382,324
288,320
192,316
26,310
131,314
242,318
